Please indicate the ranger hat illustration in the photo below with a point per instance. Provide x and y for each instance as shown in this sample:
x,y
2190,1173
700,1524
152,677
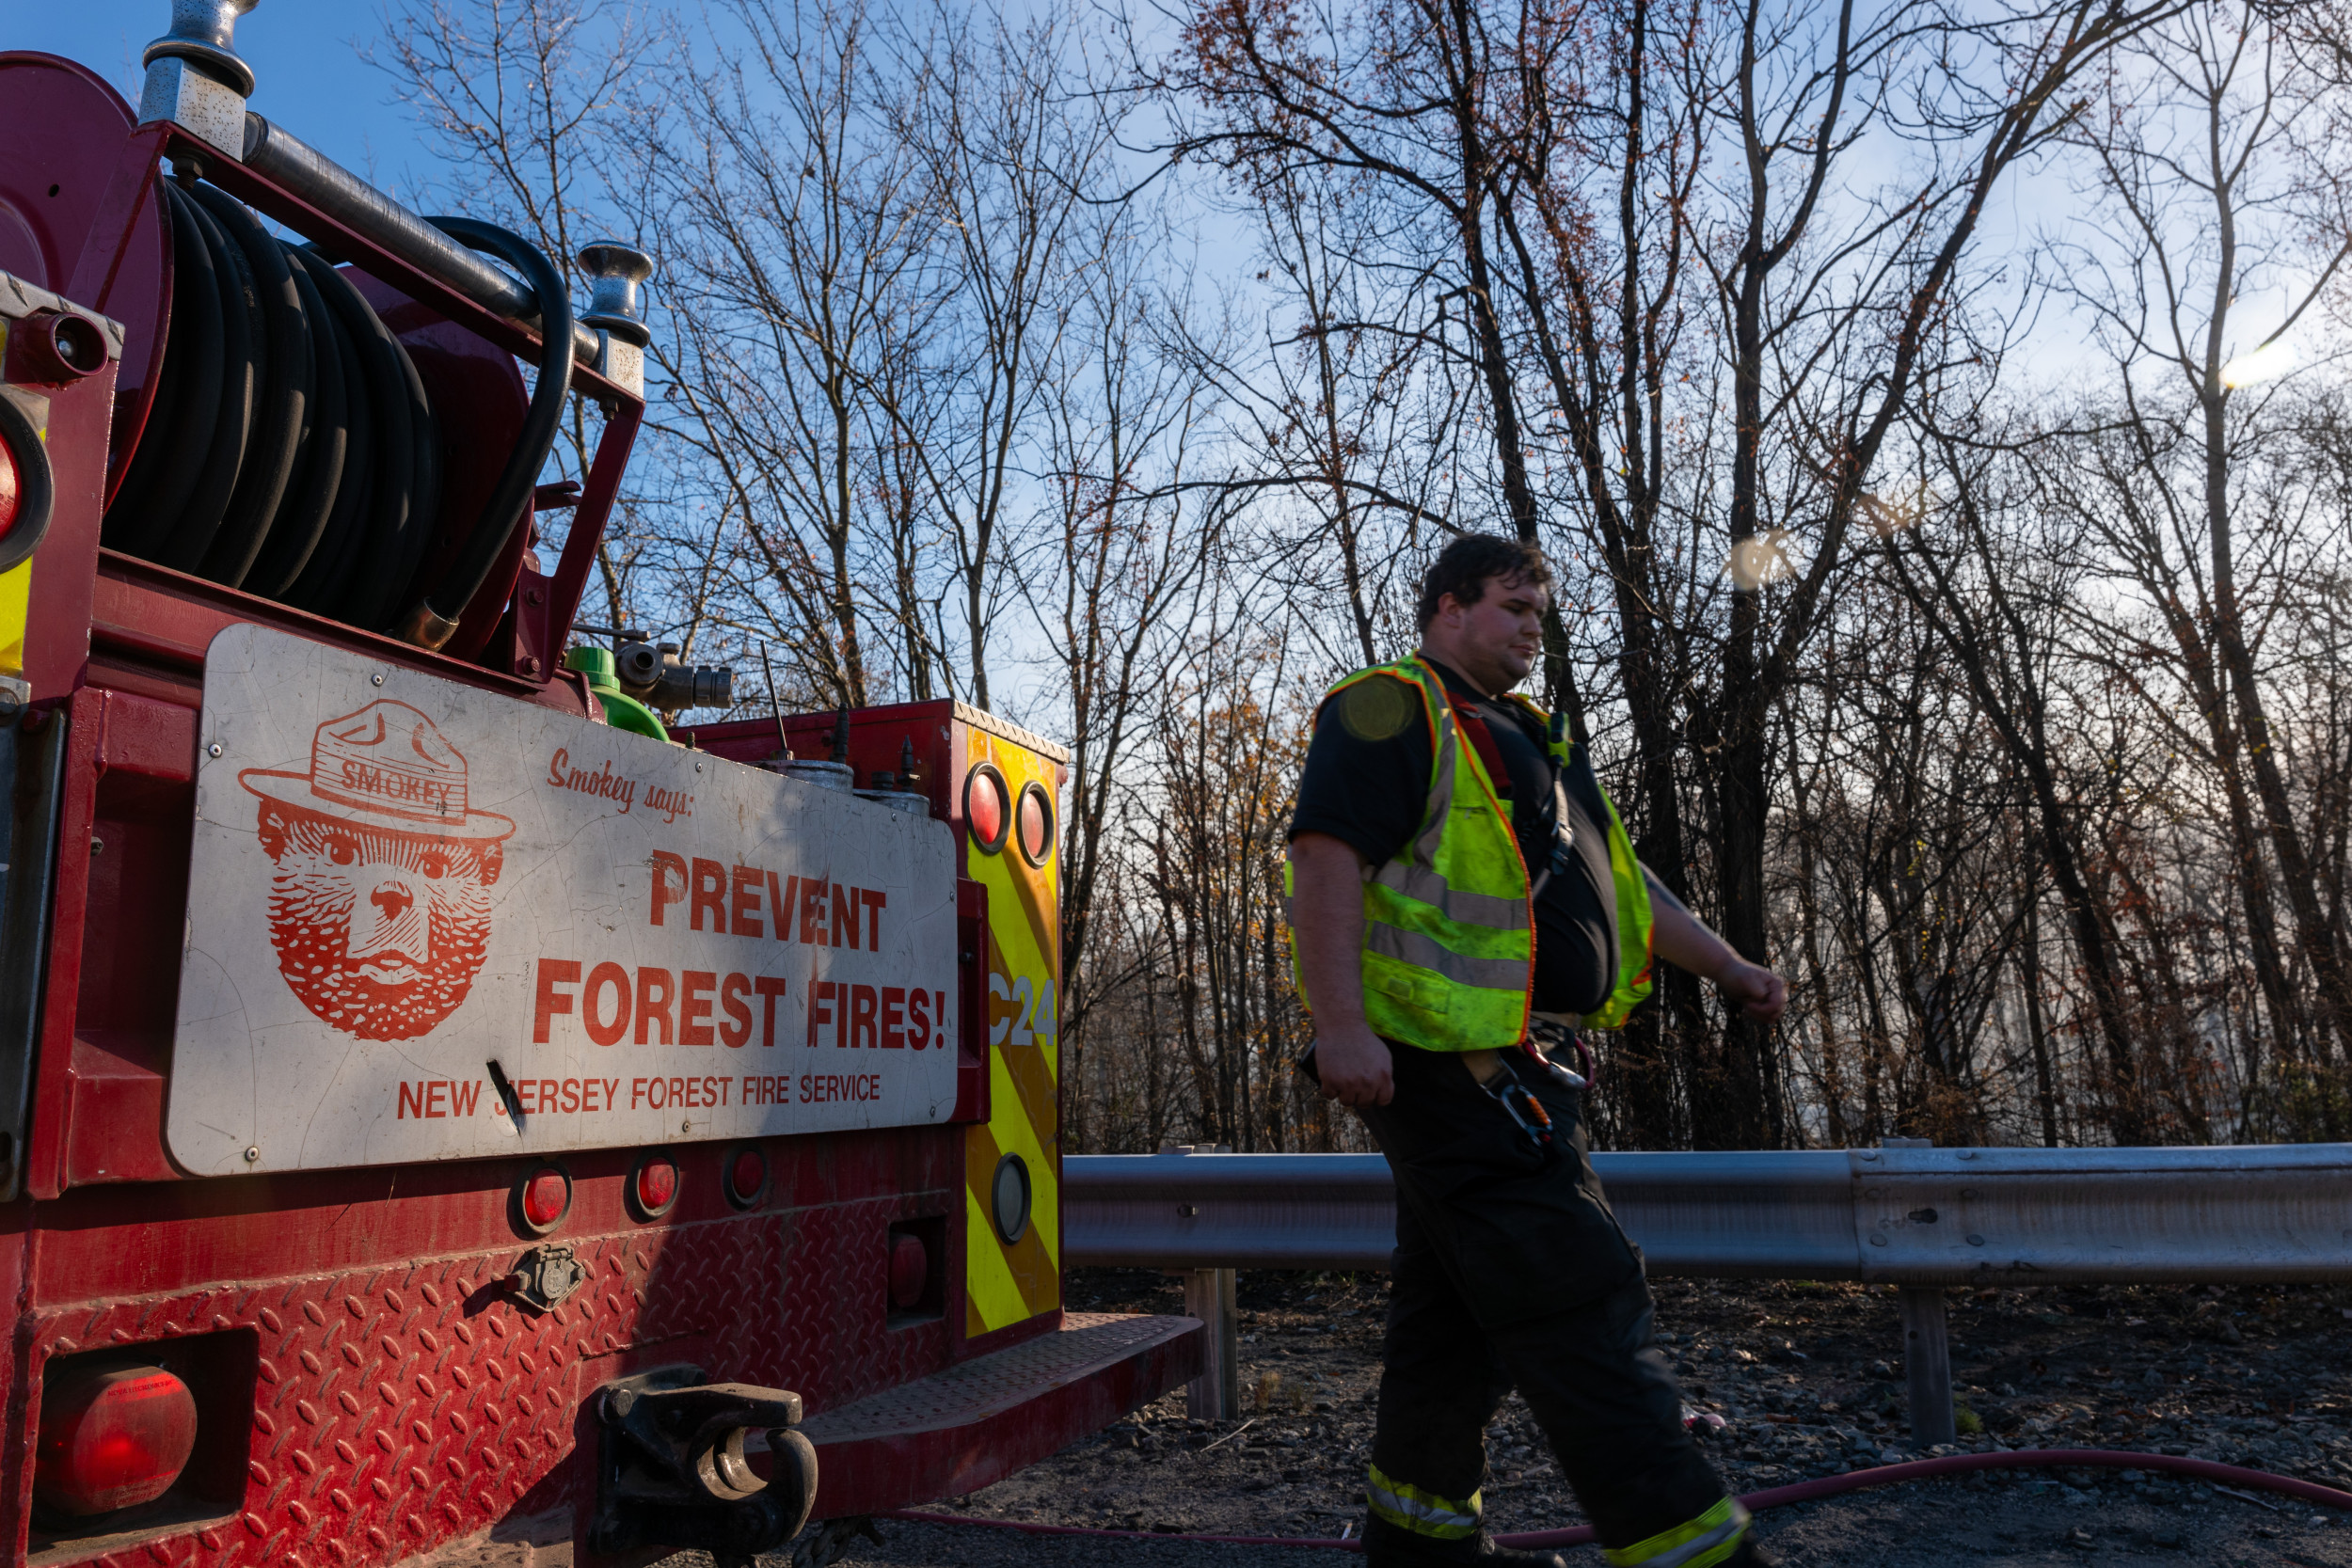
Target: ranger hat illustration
x,y
389,766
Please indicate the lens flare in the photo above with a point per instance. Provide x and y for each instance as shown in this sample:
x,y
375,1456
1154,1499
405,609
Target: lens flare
x,y
1757,559
2266,363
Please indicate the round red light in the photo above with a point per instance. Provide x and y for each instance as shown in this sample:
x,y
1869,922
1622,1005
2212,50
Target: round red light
x,y
546,1196
909,1268
1034,824
985,806
112,1437
657,1184
746,1176
10,486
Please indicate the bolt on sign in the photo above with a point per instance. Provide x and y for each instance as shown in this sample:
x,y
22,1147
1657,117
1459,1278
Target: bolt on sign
x,y
429,922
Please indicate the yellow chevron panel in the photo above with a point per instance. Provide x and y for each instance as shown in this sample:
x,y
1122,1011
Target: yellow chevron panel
x,y
1009,1283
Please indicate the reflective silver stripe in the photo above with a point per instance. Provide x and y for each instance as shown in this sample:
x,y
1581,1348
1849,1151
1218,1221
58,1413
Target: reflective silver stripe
x,y
1424,952
1425,885
1409,1508
1701,1552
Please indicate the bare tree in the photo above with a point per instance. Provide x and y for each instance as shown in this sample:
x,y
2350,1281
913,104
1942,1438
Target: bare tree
x,y
2219,167
519,96
792,229
2007,709
1010,153
1481,129
1129,547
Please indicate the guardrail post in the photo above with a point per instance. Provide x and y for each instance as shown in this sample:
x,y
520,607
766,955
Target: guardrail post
x,y
1216,1394
1927,1347
1928,1361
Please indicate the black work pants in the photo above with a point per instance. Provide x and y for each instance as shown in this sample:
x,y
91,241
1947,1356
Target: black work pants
x,y
1512,1272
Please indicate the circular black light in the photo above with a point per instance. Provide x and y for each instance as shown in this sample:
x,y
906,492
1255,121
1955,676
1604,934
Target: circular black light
x,y
987,807
747,1176
1008,1198
1033,824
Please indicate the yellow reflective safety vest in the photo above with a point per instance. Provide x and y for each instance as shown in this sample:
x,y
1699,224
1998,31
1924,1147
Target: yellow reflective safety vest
x,y
1449,924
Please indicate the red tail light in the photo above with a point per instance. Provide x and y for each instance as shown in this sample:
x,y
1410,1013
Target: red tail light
x,y
747,1178
543,1198
909,1268
655,1185
112,1437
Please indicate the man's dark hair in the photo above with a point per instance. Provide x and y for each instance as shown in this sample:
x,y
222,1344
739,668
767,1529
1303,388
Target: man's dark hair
x,y
1464,568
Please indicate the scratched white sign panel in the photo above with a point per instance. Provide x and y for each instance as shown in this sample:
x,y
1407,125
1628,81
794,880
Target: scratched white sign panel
x,y
428,922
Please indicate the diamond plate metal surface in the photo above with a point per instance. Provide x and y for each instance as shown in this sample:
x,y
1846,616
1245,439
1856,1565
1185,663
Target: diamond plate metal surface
x,y
991,1385
978,1421
399,1407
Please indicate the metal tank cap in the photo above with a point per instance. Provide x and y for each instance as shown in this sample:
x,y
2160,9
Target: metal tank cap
x,y
825,775
614,271
203,32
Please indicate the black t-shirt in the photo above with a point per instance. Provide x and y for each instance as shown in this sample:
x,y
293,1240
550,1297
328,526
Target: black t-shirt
x,y
1367,784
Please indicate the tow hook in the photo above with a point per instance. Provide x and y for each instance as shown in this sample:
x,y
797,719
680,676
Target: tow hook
x,y
672,1471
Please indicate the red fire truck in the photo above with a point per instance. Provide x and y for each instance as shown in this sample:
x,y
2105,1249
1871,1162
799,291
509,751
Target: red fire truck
x,y
438,1103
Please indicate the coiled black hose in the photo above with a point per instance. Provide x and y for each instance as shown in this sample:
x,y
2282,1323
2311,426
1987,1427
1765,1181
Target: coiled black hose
x,y
503,513
291,449
322,445
210,388
154,488
283,396
36,485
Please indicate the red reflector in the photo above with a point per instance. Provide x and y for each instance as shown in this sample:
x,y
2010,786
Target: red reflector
x,y
910,1266
747,1175
546,1197
112,1438
657,1184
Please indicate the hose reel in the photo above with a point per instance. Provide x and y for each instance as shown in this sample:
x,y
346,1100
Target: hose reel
x,y
295,450
356,441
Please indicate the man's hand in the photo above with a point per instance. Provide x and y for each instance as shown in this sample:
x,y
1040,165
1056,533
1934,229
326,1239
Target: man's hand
x,y
1761,994
1353,1065
1678,937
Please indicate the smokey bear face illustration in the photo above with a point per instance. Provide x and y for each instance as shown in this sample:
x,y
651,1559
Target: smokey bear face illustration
x,y
380,904
379,931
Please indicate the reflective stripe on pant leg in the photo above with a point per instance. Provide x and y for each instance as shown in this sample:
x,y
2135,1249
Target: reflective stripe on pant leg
x,y
1704,1542
1423,1512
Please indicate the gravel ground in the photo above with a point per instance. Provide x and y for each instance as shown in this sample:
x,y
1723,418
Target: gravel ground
x,y
1807,1378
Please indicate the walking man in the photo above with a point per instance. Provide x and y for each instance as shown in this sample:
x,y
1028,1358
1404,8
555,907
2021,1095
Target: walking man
x,y
1462,897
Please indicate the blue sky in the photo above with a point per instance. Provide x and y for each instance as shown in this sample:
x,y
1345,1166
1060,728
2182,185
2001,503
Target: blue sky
x,y
305,55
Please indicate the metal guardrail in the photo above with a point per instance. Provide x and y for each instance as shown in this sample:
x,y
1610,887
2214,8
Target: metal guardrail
x,y
1900,1215
1906,1214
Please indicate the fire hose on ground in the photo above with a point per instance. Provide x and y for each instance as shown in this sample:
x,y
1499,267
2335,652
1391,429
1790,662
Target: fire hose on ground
x,y
1757,1502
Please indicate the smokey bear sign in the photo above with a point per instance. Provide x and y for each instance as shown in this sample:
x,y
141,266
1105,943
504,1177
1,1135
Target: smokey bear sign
x,y
427,922
380,906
